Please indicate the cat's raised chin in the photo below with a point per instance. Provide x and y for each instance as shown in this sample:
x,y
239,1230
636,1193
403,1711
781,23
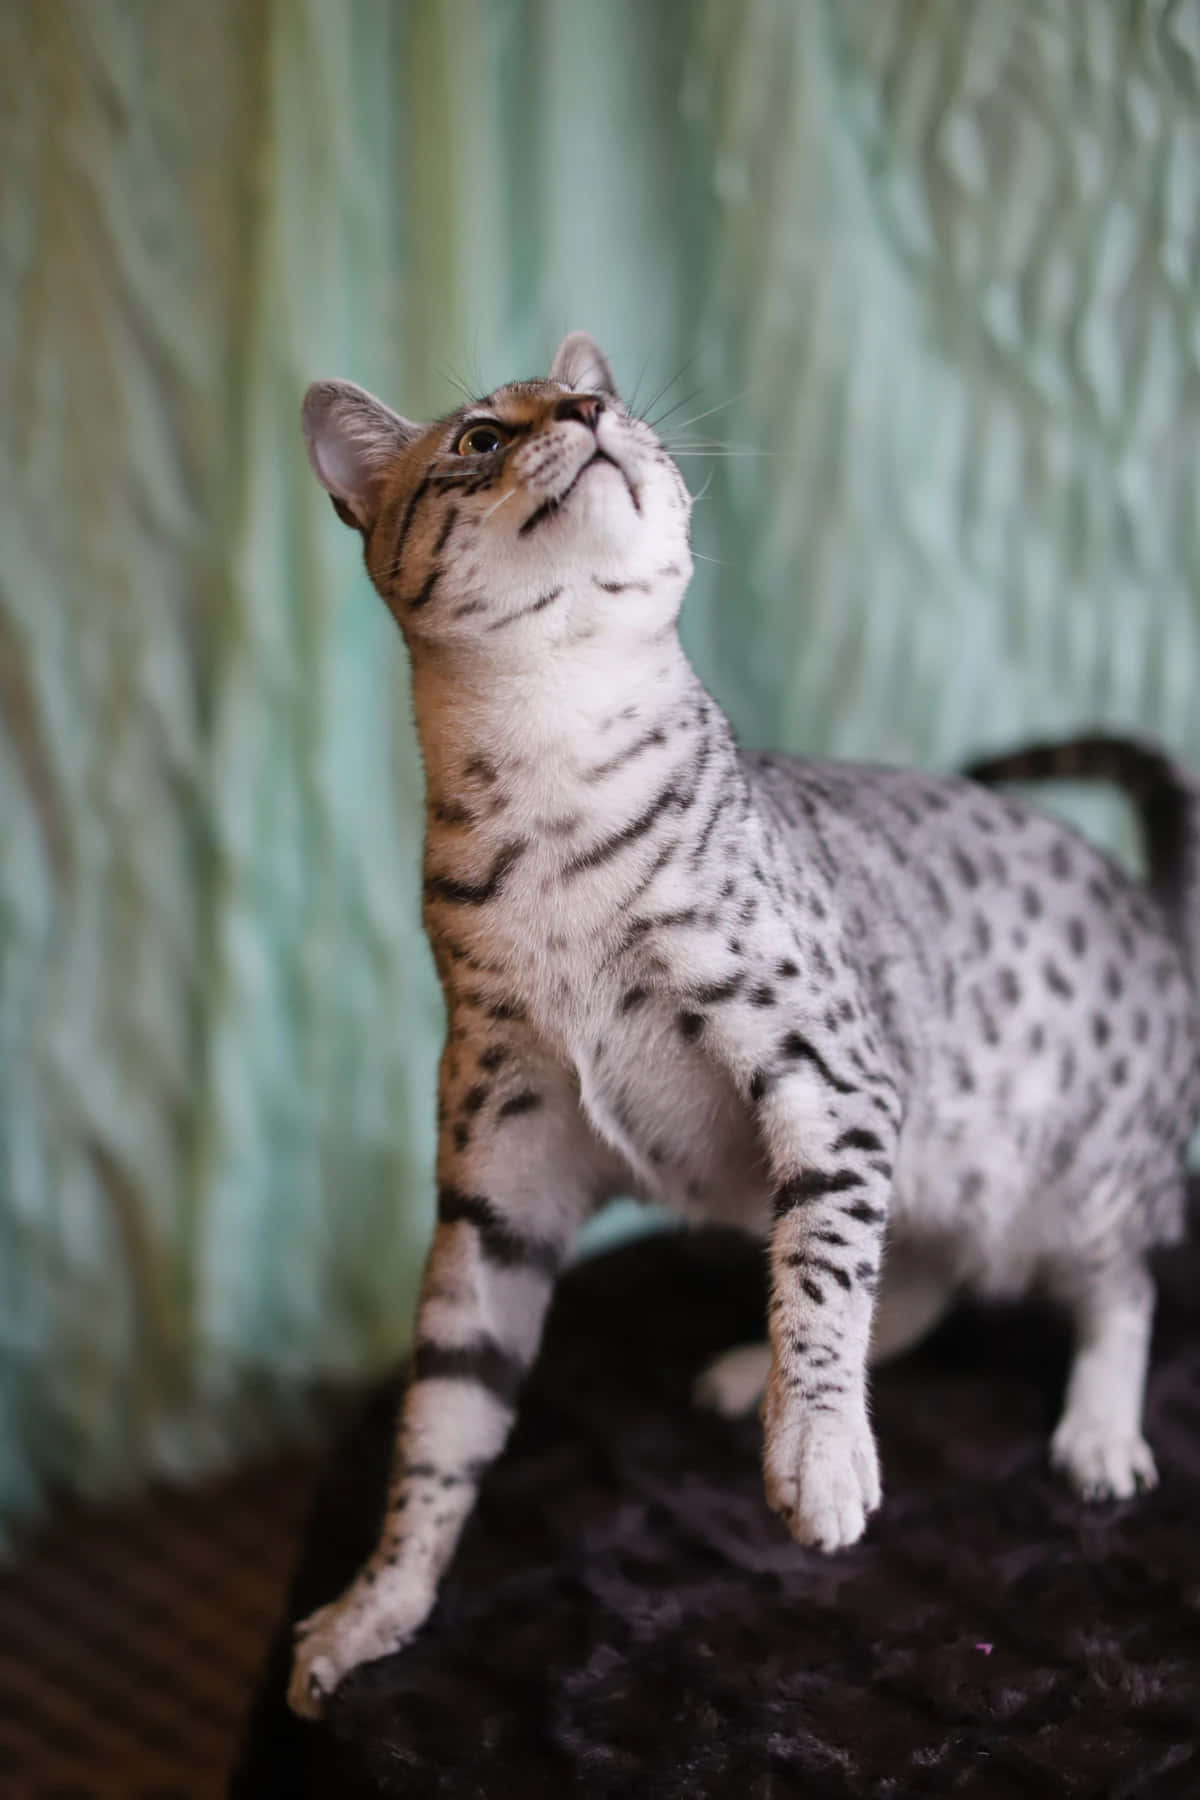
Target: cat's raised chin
x,y
545,515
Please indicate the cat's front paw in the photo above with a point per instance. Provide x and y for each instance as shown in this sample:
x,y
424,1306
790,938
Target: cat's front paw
x,y
821,1473
368,1621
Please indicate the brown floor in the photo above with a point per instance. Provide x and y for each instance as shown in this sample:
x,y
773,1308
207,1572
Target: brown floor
x,y
130,1640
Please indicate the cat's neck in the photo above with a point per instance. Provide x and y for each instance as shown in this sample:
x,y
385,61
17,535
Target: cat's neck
x,y
540,727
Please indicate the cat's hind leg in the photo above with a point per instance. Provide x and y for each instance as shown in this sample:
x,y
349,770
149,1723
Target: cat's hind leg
x,y
914,1294
1098,1443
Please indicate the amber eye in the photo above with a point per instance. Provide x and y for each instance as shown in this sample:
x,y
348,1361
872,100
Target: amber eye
x,y
482,439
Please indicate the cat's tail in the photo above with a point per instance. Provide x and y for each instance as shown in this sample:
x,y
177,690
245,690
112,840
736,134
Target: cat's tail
x,y
1167,799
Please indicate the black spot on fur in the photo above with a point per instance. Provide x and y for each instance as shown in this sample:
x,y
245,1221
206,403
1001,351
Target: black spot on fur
x,y
813,1184
937,892
786,969
491,1058
1060,860
820,961
1077,936
964,1079
714,992
525,1101
691,1024
798,1049
859,1139
1056,981
1031,902
863,1213
964,868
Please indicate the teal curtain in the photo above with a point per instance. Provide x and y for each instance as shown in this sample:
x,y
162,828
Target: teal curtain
x,y
931,270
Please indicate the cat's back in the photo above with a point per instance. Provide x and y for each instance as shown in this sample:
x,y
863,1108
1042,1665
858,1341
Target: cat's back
x,y
1010,953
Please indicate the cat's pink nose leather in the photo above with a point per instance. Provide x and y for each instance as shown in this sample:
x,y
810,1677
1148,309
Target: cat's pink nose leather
x,y
584,407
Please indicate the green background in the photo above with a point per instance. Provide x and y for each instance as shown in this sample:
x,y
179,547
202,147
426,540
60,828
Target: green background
x,y
939,265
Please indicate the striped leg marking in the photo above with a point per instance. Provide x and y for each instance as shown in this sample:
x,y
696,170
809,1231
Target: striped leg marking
x,y
832,1155
490,1272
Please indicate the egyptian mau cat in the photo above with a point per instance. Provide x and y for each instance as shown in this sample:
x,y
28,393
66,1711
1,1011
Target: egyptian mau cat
x,y
866,1015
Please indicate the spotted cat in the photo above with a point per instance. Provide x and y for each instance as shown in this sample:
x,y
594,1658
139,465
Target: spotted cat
x,y
896,1026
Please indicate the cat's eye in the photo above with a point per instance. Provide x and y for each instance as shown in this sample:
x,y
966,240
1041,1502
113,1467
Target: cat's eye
x,y
482,439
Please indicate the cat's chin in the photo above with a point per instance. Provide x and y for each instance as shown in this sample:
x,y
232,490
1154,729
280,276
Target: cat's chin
x,y
604,503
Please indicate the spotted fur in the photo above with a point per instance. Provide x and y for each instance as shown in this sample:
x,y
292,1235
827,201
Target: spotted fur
x,y
916,1037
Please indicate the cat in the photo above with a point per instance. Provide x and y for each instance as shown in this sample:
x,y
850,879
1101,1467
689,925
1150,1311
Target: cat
x,y
835,1006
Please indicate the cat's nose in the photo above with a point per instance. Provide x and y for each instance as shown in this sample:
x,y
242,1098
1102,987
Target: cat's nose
x,y
584,407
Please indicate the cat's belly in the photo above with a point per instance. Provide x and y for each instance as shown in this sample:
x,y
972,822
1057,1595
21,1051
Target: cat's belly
x,y
686,1138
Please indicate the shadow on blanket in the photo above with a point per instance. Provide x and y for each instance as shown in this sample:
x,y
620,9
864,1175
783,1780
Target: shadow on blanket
x,y
625,1617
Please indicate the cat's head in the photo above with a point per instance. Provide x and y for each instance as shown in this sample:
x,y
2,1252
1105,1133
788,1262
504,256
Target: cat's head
x,y
543,514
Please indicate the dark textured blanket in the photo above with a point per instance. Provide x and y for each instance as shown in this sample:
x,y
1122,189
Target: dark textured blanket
x,y
625,1617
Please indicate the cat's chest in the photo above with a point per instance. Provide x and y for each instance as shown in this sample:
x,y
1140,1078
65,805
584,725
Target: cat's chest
x,y
670,1111
602,994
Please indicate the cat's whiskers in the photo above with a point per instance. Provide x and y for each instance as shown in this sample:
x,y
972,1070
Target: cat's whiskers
x,y
695,419
665,389
500,502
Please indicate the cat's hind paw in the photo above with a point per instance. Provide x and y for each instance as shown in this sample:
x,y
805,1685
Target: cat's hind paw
x,y
1100,1465
732,1384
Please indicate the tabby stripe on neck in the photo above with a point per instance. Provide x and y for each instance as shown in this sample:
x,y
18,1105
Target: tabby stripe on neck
x,y
656,867
527,611
720,801
426,593
467,893
609,847
647,741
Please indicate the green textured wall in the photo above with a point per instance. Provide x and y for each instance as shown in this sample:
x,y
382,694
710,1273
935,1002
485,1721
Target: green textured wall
x,y
938,263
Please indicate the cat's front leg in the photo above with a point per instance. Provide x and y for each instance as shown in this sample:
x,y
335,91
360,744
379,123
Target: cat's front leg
x,y
831,1145
518,1171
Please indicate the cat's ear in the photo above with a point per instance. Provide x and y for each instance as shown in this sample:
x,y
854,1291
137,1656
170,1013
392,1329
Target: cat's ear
x,y
581,365
352,439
